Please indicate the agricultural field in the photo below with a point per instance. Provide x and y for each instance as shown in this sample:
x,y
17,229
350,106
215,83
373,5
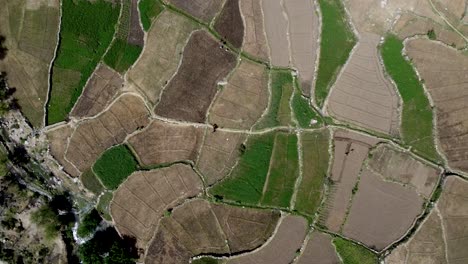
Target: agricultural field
x,y
202,10
319,248
254,42
149,11
229,23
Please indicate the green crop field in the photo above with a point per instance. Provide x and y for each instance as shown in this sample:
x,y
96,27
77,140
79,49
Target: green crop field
x,y
303,111
284,171
91,182
122,55
86,32
337,41
245,184
315,158
149,10
352,253
114,166
416,124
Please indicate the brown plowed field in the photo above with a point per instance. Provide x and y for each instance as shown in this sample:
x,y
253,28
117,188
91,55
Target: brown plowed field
x,y
282,247
98,92
319,249
190,92
58,139
136,36
362,95
92,137
381,212
349,154
164,143
276,27
161,55
444,72
255,41
243,100
219,154
199,227
229,23
303,34
205,10
141,200
402,168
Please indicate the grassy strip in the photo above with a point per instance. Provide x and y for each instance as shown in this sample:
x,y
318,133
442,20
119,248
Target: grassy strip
x,y
149,10
114,166
352,253
122,55
337,42
284,171
245,185
103,205
417,114
315,166
91,182
303,111
86,32
205,260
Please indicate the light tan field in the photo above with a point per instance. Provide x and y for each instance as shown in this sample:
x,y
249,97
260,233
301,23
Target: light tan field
x,y
452,8
58,139
219,153
255,41
141,200
282,247
92,137
98,92
303,34
205,10
444,72
362,95
276,27
163,143
319,249
243,100
161,55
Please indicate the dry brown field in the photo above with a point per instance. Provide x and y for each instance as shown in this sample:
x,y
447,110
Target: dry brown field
x,y
92,137
160,58
136,36
243,100
350,151
229,23
219,154
205,10
276,28
282,248
381,211
456,8
303,33
362,95
98,92
142,199
190,92
444,72
164,142
319,249
58,139
401,167
255,41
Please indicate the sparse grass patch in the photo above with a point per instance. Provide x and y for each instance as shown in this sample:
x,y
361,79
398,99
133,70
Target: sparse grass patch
x,y
337,42
122,55
416,124
303,111
205,260
103,205
48,219
91,182
114,166
149,10
352,253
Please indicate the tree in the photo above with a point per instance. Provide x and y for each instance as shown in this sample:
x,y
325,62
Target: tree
x,y
89,223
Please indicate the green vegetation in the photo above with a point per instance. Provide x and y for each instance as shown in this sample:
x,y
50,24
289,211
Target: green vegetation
x,y
431,34
284,171
91,182
122,55
245,184
103,205
337,42
315,157
303,111
86,32
48,219
89,223
205,260
352,253
149,10
114,166
416,124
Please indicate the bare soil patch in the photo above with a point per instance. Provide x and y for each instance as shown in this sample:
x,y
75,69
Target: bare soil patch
x,y
243,100
163,143
205,10
190,92
135,35
229,23
98,92
276,27
58,139
362,94
142,199
255,41
319,249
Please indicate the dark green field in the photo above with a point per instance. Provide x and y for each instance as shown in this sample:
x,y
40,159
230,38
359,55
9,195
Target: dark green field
x,y
149,10
352,253
122,55
91,182
303,111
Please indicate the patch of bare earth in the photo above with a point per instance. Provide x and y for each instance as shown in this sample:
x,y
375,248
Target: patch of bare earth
x,y
362,95
444,72
58,139
276,27
242,101
164,142
319,249
229,23
141,200
98,92
255,41
205,10
136,36
190,92
92,137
